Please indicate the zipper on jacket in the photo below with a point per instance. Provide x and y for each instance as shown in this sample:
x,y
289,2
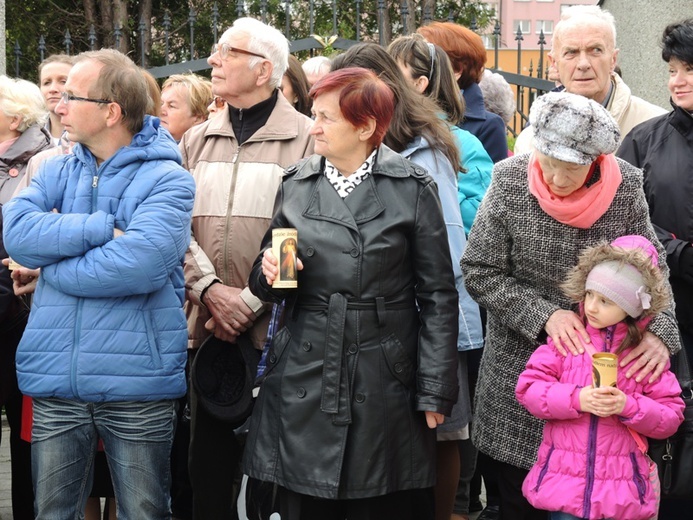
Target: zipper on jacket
x,y
229,210
75,347
592,440
80,302
94,191
591,456
151,338
609,338
638,479
543,471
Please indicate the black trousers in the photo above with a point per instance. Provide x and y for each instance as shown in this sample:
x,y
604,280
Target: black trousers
x,y
11,399
181,490
675,509
513,504
214,465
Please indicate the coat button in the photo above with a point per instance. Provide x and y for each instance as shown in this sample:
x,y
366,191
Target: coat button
x,y
352,349
272,358
301,392
354,252
310,251
359,398
398,368
307,345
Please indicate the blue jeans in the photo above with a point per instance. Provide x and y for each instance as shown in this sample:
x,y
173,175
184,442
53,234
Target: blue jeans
x,y
137,438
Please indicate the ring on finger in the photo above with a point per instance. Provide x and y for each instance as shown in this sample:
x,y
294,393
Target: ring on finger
x,y
647,358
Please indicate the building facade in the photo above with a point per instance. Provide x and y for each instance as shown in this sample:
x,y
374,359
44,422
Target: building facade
x,y
532,17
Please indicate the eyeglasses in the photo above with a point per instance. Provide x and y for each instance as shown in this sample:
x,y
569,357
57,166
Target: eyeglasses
x,y
66,98
224,49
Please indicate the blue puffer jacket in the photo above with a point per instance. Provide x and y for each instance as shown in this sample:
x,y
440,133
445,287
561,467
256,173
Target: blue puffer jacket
x,y
107,321
472,185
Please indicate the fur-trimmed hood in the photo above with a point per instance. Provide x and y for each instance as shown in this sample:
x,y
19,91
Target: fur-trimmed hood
x,y
634,250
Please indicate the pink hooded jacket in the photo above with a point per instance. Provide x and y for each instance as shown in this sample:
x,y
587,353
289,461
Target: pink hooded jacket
x,y
589,466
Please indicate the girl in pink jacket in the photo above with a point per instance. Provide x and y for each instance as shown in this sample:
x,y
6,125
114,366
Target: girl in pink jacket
x,y
589,465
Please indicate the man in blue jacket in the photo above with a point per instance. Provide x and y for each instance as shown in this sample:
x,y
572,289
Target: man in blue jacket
x,y
104,351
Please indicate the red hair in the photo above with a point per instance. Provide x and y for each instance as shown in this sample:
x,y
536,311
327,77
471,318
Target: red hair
x,y
463,46
362,96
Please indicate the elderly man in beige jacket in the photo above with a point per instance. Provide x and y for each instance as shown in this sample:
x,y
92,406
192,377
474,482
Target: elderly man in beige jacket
x,y
584,53
237,159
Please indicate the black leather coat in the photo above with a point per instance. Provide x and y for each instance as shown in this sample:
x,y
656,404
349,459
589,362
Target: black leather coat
x,y
663,148
339,414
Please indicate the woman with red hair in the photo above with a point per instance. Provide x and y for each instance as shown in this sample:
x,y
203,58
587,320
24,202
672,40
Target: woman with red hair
x,y
364,369
468,56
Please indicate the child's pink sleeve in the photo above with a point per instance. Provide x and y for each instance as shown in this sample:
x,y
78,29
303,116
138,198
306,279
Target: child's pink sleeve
x,y
657,412
539,388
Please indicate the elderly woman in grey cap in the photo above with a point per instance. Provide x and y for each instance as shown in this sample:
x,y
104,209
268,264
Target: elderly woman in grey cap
x,y
540,211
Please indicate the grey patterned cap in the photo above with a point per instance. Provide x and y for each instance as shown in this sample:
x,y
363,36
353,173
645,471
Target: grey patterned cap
x,y
572,128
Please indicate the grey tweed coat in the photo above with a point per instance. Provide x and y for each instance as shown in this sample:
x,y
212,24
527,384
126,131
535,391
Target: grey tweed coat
x,y
515,259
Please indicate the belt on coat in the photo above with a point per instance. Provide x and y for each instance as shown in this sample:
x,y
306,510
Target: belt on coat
x,y
336,387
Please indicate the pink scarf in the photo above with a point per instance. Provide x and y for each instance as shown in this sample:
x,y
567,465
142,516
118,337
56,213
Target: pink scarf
x,y
584,206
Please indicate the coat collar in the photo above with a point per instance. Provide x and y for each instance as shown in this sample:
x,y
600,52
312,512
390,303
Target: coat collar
x,y
364,203
474,102
29,143
387,162
682,121
282,124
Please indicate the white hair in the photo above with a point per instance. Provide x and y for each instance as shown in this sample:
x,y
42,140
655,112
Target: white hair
x,y
585,15
317,65
266,40
499,97
22,98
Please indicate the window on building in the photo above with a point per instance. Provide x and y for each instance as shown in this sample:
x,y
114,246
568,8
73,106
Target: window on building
x,y
545,0
544,25
524,25
489,41
566,6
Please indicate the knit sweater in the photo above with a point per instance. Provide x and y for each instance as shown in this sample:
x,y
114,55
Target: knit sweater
x,y
516,257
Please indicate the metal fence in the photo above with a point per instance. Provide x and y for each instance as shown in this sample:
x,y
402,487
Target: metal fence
x,y
526,86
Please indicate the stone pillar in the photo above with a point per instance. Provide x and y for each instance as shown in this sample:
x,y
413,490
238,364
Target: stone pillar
x,y
639,27
2,37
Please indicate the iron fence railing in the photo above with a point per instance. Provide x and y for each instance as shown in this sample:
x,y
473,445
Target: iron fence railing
x,y
526,86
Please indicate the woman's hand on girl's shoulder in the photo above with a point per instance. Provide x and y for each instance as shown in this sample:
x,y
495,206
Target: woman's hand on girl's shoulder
x,y
566,330
651,358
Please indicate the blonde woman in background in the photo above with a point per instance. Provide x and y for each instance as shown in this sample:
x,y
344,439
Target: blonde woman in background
x,y
23,115
53,73
184,101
